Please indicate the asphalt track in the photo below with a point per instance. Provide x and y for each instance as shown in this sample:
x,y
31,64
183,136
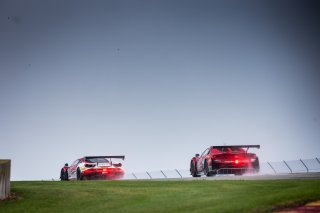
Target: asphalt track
x,y
293,176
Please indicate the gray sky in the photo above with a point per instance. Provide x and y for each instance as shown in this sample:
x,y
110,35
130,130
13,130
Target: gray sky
x,y
157,81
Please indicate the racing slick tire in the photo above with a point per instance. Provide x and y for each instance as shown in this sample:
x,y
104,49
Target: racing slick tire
x,y
64,175
206,170
79,176
256,165
193,169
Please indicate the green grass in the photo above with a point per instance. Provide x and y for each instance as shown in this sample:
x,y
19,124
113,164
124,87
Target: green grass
x,y
159,196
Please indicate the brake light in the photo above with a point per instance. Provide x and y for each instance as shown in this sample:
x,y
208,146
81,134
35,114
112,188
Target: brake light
x,y
236,161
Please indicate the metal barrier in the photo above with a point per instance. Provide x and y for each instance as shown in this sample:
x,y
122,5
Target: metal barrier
x,y
4,178
293,166
281,167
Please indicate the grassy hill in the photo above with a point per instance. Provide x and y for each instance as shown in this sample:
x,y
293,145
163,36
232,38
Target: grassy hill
x,y
159,196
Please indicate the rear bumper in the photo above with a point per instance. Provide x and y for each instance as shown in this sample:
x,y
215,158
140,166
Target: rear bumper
x,y
231,168
239,171
109,174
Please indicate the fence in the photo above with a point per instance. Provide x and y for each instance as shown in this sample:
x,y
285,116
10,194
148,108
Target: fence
x,y
4,178
281,167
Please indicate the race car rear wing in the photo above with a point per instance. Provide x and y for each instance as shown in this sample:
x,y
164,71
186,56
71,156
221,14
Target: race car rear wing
x,y
238,146
109,156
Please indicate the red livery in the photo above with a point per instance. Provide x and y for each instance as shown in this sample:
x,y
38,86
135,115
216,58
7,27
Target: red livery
x,y
96,167
225,160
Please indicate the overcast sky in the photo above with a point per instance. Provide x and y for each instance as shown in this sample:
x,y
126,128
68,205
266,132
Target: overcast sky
x,y
157,81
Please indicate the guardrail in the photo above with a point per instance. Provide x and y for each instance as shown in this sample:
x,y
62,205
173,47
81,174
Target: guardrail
x,y
4,178
293,166
281,167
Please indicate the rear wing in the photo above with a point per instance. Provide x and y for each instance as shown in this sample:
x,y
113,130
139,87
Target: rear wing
x,y
238,146
109,156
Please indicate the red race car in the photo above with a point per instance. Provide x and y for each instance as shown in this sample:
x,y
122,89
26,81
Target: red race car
x,y
96,167
225,160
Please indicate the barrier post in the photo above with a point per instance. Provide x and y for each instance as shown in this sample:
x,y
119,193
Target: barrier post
x,y
272,168
5,178
178,172
305,165
287,166
134,175
318,160
149,175
163,174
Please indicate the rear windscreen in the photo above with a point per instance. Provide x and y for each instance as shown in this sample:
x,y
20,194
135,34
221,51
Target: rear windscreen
x,y
97,160
227,149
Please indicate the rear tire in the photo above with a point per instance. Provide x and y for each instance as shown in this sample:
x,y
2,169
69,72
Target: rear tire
x,y
79,176
193,169
66,175
206,170
256,165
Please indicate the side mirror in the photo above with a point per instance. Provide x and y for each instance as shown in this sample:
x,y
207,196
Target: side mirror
x,y
197,155
117,164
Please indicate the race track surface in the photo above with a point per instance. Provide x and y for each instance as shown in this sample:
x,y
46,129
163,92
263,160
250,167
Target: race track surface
x,y
312,176
294,176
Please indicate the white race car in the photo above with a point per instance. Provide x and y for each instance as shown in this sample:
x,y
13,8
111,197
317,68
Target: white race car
x,y
96,167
